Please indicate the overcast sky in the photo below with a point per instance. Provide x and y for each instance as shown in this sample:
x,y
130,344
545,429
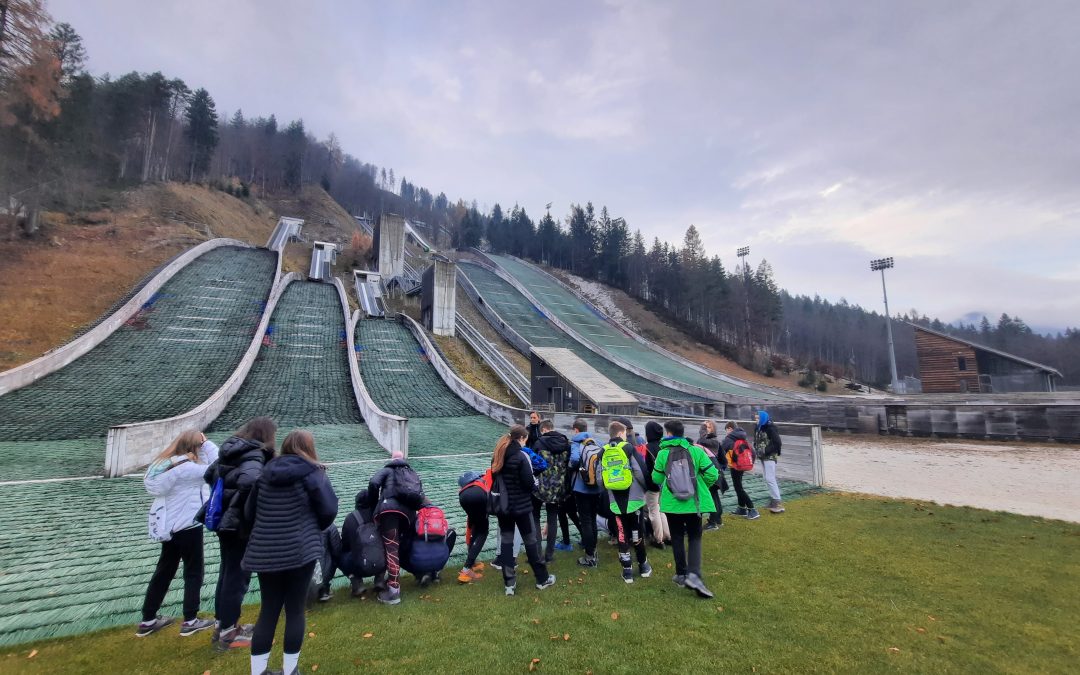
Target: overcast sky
x,y
944,134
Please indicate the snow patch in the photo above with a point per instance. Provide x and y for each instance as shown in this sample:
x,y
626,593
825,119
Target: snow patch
x,y
602,297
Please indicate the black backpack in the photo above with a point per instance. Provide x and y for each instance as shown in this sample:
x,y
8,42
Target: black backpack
x,y
498,498
407,488
367,552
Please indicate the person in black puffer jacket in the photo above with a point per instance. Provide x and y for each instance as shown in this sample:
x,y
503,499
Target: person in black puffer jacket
x,y
511,467
289,508
711,442
398,493
551,490
239,466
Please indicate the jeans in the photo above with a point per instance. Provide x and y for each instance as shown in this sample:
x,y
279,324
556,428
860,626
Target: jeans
x,y
769,468
552,526
524,523
587,506
232,584
186,545
288,590
659,522
740,492
688,525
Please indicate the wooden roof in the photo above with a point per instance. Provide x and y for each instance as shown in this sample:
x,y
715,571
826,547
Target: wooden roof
x,y
991,350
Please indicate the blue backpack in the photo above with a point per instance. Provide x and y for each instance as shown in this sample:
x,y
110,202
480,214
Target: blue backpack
x,y
538,463
212,516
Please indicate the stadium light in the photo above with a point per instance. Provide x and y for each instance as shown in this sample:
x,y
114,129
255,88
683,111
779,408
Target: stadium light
x,y
880,265
742,252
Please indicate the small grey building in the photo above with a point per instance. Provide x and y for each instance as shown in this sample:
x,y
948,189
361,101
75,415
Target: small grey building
x,y
563,382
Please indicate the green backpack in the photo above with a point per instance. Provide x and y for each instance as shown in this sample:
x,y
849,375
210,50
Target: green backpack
x,y
615,467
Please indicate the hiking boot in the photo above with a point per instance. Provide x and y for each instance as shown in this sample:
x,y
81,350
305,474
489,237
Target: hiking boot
x,y
356,585
559,546
550,581
752,514
147,627
194,626
679,580
391,596
645,570
775,506
233,638
694,583
588,561
466,575
628,575
510,590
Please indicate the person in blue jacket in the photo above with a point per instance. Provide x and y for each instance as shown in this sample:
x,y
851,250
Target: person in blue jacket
x,y
289,508
586,497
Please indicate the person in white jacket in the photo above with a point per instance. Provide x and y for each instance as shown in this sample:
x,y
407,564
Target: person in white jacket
x,y
175,480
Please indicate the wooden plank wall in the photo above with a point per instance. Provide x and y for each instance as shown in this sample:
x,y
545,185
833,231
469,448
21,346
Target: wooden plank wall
x,y
938,366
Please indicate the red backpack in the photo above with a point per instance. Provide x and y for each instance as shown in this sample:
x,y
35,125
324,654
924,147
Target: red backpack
x,y
431,523
741,457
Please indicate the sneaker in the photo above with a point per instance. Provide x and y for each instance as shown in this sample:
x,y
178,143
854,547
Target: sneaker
x,y
325,595
478,567
391,596
147,627
466,575
740,511
694,583
510,590
550,581
548,559
194,626
426,580
234,638
495,564
645,570
709,527
559,546
357,586
679,580
587,561
776,506
752,514
628,575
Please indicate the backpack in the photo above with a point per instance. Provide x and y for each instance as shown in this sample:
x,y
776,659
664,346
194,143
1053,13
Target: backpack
x,y
590,469
214,508
551,484
480,480
615,467
407,487
681,474
431,524
498,498
741,456
368,553
539,464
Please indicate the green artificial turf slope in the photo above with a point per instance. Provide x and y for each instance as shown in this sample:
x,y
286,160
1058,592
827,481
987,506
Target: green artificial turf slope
x,y
839,583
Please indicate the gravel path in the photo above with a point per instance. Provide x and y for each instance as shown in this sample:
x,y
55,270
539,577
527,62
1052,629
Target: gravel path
x,y
1034,480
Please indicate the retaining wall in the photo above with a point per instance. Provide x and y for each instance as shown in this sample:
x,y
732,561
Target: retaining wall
x,y
130,447
390,431
58,358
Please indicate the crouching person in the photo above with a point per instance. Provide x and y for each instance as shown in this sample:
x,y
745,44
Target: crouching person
x,y
362,552
429,548
397,492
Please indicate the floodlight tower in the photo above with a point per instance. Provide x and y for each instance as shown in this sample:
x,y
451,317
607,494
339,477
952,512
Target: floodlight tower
x,y
882,264
742,253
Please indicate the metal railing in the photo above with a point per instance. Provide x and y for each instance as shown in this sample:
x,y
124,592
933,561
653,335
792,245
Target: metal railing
x,y
513,378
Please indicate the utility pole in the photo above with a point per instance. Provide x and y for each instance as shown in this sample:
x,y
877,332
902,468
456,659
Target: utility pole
x,y
742,253
882,264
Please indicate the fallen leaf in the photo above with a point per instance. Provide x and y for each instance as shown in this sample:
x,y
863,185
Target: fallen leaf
x,y
719,608
920,630
314,667
894,650
566,637
931,618
534,664
32,654
614,616
669,565
536,622
311,634
369,635
553,637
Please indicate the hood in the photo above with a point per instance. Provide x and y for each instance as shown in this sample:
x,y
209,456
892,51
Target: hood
x,y
235,448
736,434
362,501
396,462
763,418
653,432
580,436
554,442
287,469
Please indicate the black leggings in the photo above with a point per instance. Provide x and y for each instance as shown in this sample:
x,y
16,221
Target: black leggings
x,y
392,528
740,492
186,545
715,516
475,503
232,584
568,514
526,525
587,506
689,525
628,534
286,589
552,526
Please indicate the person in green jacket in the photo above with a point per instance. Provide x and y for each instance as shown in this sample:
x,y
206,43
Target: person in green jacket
x,y
682,467
624,477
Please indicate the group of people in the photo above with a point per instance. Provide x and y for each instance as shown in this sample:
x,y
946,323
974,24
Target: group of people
x,y
274,513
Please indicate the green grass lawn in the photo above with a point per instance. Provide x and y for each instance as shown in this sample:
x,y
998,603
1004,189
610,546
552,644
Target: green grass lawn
x,y
838,583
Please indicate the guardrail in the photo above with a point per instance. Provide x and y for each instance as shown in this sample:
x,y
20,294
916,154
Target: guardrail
x,y
129,447
390,431
513,378
56,359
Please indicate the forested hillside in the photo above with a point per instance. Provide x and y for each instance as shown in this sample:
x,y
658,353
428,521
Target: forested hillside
x,y
66,137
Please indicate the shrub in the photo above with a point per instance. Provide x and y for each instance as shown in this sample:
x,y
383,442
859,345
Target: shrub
x,y
822,385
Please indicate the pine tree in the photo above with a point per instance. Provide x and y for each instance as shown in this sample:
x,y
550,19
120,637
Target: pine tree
x,y
201,132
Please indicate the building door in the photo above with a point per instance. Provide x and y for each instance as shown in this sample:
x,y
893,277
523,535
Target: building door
x,y
557,398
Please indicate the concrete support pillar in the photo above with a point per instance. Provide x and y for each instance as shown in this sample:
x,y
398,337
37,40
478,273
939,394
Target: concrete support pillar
x,y
444,305
390,236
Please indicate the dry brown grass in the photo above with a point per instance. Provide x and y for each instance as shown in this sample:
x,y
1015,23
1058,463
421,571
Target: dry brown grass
x,y
470,367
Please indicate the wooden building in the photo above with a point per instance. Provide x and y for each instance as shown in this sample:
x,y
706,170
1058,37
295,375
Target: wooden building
x,y
951,365
562,382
